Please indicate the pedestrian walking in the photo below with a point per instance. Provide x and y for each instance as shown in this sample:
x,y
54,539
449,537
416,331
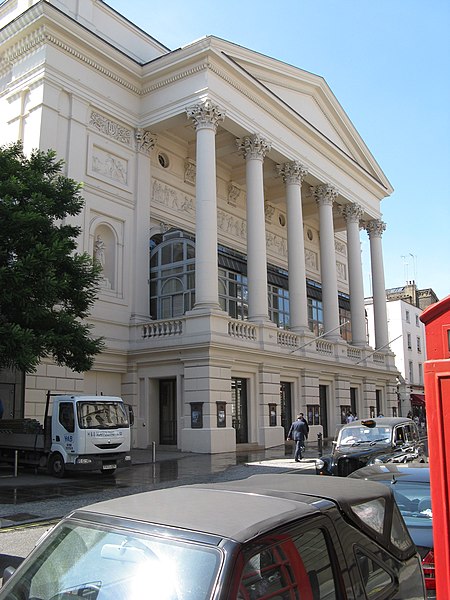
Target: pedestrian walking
x,y
302,418
298,432
350,417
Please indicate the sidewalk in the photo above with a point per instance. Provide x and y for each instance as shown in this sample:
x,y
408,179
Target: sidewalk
x,y
33,498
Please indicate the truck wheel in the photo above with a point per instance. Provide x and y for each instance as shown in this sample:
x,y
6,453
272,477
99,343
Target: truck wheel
x,y
56,466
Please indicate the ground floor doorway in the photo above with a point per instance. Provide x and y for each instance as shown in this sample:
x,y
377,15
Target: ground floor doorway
x,y
239,409
286,406
168,412
323,401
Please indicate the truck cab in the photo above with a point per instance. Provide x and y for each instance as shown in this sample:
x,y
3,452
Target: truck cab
x,y
88,433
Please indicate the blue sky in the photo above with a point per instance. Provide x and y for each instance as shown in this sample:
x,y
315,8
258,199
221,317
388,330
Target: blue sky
x,y
388,64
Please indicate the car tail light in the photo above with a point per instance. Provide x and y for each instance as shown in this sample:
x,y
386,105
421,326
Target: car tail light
x,y
428,570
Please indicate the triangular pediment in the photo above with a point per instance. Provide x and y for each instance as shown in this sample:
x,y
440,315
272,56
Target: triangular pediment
x,y
309,97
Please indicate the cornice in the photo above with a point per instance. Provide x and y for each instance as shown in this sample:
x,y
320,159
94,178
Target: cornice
x,y
43,35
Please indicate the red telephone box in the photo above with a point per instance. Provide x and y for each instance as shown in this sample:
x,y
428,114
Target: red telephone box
x,y
437,393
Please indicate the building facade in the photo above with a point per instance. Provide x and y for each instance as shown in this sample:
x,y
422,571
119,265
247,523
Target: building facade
x,y
225,193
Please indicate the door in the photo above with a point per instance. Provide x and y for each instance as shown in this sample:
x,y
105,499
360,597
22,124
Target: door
x,y
323,393
7,398
286,406
239,409
168,412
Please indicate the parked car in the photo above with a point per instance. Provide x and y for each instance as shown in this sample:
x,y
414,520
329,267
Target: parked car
x,y
283,536
410,484
372,441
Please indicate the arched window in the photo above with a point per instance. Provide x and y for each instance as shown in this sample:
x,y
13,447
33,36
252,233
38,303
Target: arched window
x,y
172,274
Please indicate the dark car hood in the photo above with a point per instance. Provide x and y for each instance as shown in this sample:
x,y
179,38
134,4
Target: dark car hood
x,y
362,450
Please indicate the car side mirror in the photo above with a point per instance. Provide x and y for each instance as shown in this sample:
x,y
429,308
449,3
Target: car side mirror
x,y
8,573
130,414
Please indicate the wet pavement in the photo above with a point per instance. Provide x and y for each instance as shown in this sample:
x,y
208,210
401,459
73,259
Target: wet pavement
x,y
37,497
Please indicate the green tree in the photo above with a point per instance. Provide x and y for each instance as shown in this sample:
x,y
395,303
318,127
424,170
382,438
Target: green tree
x,y
46,287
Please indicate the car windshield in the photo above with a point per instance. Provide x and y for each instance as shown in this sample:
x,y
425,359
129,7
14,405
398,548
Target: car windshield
x,y
84,561
102,415
412,497
359,434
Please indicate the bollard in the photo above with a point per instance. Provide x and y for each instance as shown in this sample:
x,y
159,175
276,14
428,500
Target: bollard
x,y
153,452
16,462
320,443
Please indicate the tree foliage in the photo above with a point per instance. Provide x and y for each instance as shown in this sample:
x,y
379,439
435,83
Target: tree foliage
x,y
46,287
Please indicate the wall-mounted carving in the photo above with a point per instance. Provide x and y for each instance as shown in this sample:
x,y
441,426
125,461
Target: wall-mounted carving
x,y
110,128
341,271
311,260
145,141
231,225
269,211
340,247
172,198
110,166
234,193
189,171
276,244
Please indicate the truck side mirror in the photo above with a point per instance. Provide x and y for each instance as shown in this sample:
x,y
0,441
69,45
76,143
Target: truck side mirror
x,y
130,414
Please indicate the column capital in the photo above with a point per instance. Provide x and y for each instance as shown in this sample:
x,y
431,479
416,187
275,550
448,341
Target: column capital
x,y
254,146
375,228
145,141
292,172
324,194
352,212
205,115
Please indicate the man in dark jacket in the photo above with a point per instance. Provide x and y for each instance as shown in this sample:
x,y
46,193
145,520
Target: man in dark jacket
x,y
298,432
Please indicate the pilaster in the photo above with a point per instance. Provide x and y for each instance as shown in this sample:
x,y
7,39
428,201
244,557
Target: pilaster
x,y
144,143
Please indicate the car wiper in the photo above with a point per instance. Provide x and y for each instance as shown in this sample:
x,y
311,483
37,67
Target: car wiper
x,y
373,442
360,442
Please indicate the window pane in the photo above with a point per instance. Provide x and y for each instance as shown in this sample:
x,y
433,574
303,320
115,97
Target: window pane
x,y
171,286
166,255
178,305
376,578
177,252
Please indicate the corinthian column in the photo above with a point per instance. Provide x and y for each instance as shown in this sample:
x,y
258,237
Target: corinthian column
x,y
206,117
325,196
375,230
352,214
145,142
254,148
293,174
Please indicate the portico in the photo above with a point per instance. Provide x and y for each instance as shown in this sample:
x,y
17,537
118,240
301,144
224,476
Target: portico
x,y
229,191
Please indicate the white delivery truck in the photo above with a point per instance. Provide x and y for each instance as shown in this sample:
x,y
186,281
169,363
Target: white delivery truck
x,y
79,433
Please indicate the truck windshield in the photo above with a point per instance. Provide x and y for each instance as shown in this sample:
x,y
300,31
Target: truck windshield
x,y
102,415
85,561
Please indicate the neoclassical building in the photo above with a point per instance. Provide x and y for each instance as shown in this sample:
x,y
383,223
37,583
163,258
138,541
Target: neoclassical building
x,y
225,195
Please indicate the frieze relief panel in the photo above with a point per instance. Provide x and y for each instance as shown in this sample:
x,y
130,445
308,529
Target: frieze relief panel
x,y
341,270
311,260
276,244
109,166
173,199
110,128
340,247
